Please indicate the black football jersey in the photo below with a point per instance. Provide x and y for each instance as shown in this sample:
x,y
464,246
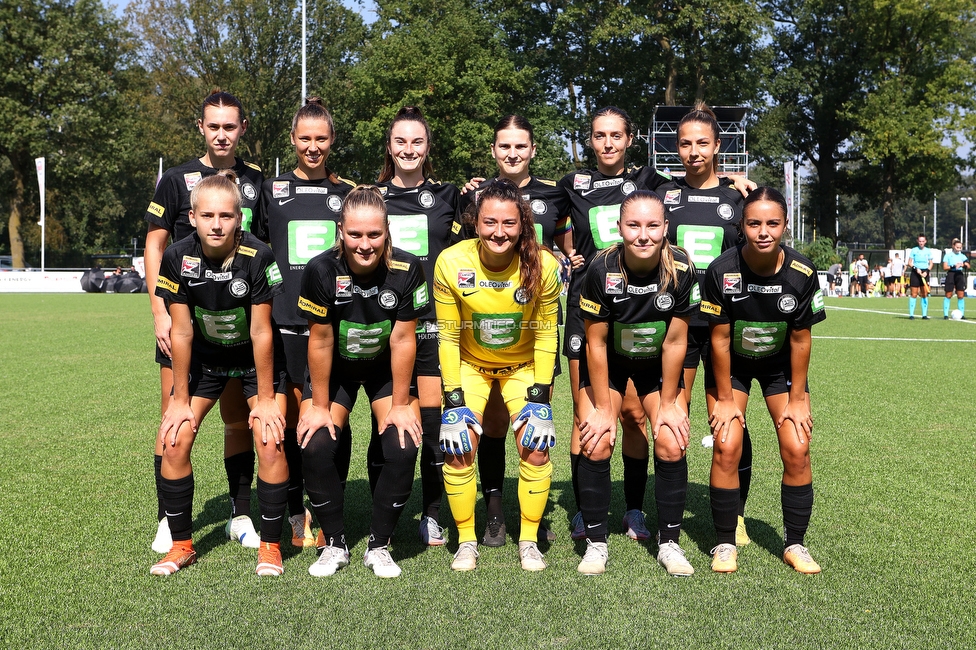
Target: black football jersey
x,y
704,222
549,203
220,301
362,312
170,204
423,221
302,217
762,311
636,310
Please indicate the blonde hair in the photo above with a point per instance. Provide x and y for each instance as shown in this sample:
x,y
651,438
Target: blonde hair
x,y
365,197
225,180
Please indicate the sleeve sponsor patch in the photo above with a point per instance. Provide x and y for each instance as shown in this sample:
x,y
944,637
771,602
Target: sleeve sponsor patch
x,y
307,305
252,165
590,306
817,304
420,297
710,308
732,283
273,273
456,228
546,181
441,289
681,266
695,295
397,265
244,250
801,267
167,284
156,209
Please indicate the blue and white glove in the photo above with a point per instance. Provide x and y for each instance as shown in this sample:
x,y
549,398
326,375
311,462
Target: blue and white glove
x,y
536,417
454,437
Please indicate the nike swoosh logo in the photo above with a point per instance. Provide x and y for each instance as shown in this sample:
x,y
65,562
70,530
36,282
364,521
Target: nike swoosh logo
x,y
740,298
263,518
319,505
284,201
538,491
587,192
399,505
452,494
621,299
468,293
196,284
592,525
675,207
673,525
173,514
343,302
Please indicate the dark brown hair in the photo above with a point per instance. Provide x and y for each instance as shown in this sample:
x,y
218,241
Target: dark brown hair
x,y
529,251
703,114
314,109
514,122
412,114
219,98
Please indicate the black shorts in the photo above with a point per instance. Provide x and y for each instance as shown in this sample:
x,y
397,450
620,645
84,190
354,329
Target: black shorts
x,y
863,281
955,281
831,279
646,376
209,381
775,383
162,359
291,352
699,340
915,280
344,391
427,364
889,279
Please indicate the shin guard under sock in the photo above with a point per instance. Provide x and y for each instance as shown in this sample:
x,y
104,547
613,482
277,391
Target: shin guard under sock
x,y
724,504
272,501
491,467
324,488
393,486
635,482
670,493
594,496
797,507
240,473
461,489
745,470
296,483
431,462
158,467
533,491
178,500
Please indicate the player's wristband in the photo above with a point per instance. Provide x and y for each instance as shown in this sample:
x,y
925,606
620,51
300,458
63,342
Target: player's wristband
x,y
538,393
453,398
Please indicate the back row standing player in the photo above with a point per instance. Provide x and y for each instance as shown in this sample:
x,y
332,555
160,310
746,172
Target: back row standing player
x,y
424,220
302,208
221,123
513,148
703,213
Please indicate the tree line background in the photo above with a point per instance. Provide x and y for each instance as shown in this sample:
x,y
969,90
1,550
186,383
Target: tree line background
x,y
874,96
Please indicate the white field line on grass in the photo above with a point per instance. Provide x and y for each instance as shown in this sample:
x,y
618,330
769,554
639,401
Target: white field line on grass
x,y
885,338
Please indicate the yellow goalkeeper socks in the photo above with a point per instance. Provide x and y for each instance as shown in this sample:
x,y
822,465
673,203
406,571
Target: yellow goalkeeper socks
x,y
461,488
533,492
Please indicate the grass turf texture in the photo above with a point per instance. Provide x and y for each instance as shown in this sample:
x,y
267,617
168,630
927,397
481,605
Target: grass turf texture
x,y
892,523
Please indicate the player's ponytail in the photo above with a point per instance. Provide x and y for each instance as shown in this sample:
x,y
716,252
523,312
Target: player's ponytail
x,y
528,249
411,114
314,109
365,197
702,114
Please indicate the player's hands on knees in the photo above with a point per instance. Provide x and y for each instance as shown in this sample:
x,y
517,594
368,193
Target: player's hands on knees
x,y
266,414
723,414
454,437
798,412
311,420
536,419
674,417
595,427
176,415
406,422
163,325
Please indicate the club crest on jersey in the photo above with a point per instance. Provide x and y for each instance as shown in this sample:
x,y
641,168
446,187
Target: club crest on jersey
x,y
628,187
522,296
664,302
465,279
725,211
334,203
426,198
387,299
343,286
190,268
581,182
575,342
732,283
787,303
238,288
191,180
249,192
383,190
279,189
614,284
672,197
539,207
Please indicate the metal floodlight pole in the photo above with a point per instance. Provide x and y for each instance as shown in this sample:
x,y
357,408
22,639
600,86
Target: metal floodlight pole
x,y
304,89
967,199
40,165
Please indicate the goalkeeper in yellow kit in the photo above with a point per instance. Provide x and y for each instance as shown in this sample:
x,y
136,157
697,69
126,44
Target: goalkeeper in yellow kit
x,y
496,298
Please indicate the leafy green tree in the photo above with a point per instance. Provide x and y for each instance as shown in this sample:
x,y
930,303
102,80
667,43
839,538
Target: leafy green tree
x,y
62,71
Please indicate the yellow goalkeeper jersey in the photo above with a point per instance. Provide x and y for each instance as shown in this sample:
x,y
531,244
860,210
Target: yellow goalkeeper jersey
x,y
483,317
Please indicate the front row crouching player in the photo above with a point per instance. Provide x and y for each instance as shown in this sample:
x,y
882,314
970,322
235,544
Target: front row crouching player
x,y
496,298
644,290
761,299
362,301
218,284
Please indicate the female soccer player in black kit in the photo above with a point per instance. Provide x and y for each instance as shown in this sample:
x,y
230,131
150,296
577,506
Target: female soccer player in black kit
x,y
302,209
218,284
362,301
424,220
636,299
221,123
761,299
513,149
703,214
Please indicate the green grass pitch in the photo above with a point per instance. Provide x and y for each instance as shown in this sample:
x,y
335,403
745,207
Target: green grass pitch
x,y
892,524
